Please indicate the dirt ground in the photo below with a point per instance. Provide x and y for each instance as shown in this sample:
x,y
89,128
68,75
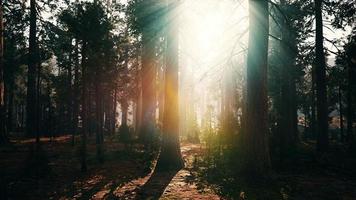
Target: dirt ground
x,y
128,174
125,174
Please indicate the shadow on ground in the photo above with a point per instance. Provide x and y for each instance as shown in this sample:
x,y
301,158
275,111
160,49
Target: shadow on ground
x,y
156,185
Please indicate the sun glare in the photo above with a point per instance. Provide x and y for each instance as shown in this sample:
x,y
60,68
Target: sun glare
x,y
210,30
212,38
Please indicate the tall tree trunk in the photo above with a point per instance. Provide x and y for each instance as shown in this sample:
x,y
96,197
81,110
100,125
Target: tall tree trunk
x,y
70,100
288,111
31,114
170,157
124,109
322,106
139,112
10,104
99,119
350,109
76,93
313,106
2,85
148,87
85,119
38,104
114,112
341,114
255,140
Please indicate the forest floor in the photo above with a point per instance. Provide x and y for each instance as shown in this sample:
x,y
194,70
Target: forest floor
x,y
126,173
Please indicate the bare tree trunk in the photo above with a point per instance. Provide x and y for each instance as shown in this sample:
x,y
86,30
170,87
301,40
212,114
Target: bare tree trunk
x,y
99,119
341,114
31,114
350,109
255,141
313,106
114,113
170,157
10,105
85,122
76,93
288,111
322,106
124,109
38,104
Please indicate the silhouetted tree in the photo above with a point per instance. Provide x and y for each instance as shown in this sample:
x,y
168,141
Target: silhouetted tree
x,y
256,159
170,156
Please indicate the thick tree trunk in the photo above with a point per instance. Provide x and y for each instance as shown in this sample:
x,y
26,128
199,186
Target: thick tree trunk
x,y
31,114
170,157
322,106
255,138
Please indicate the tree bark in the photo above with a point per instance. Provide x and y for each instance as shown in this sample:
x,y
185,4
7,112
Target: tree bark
x,y
124,109
322,107
76,93
85,122
148,87
256,159
170,157
99,119
288,111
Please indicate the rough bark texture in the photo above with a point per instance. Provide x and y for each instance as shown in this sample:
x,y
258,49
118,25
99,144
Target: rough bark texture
x,y
170,157
321,98
255,141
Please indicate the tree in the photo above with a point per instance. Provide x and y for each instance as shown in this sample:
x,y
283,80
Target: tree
x,y
170,157
31,115
145,20
351,51
320,75
284,71
256,158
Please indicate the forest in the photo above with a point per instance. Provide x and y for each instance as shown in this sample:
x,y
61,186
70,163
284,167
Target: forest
x,y
178,99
